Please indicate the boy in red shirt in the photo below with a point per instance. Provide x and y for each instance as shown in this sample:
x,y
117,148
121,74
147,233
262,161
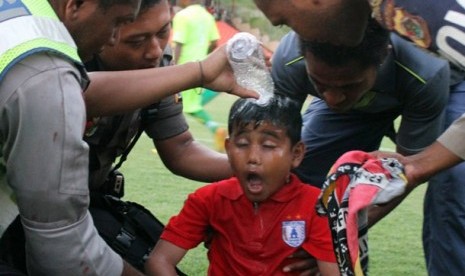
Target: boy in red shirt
x,y
261,215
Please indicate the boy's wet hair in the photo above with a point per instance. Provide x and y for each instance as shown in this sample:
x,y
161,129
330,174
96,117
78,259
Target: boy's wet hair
x,y
280,111
371,51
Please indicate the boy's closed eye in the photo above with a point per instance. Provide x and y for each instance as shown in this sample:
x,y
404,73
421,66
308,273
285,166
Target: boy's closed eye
x,y
269,145
241,144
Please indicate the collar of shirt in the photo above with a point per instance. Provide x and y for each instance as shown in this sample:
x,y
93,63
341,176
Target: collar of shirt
x,y
285,194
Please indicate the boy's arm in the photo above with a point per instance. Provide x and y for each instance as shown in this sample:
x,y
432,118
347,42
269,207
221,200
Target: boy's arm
x,y
328,268
304,263
164,258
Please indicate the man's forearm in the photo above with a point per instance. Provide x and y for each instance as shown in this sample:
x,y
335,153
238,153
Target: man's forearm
x,y
422,166
418,168
115,92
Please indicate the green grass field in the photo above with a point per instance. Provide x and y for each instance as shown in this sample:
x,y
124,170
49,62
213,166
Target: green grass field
x,y
395,242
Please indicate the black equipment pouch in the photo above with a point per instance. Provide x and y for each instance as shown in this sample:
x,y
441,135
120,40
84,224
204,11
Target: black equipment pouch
x,y
114,184
127,227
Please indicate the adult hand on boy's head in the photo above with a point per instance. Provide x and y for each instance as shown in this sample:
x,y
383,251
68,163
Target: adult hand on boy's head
x,y
218,75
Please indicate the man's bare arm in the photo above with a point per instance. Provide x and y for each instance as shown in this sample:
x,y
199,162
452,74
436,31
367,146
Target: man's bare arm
x,y
111,93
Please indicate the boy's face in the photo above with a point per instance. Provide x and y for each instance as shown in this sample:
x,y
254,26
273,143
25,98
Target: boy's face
x,y
141,43
262,157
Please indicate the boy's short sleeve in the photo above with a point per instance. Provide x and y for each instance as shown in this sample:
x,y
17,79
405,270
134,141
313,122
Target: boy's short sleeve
x,y
188,228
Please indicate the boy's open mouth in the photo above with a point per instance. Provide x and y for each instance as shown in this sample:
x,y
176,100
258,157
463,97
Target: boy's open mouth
x,y
254,183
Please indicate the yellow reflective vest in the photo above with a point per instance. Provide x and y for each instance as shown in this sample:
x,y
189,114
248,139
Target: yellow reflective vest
x,y
31,26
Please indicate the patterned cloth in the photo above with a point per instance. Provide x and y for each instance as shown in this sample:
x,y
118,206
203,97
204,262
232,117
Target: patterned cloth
x,y
356,181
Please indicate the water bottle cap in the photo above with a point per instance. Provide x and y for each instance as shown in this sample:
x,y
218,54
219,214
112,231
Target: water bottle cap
x,y
241,46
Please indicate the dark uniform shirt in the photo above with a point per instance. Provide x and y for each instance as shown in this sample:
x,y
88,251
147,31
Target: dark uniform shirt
x,y
411,83
108,137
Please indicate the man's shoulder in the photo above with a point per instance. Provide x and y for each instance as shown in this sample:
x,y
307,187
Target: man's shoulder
x,y
288,49
287,59
43,62
416,61
39,65
431,24
288,69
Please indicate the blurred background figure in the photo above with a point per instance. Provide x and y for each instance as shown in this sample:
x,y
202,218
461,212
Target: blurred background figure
x,y
195,34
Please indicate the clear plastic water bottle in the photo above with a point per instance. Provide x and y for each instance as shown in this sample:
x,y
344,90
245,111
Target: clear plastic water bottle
x,y
248,63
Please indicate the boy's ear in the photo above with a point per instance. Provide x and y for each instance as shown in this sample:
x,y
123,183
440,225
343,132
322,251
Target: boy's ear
x,y
298,152
227,142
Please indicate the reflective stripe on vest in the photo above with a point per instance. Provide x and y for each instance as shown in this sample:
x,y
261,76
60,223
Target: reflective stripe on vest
x,y
28,27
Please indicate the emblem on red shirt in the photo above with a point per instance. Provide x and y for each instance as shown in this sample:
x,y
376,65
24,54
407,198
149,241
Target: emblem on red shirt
x,y
293,232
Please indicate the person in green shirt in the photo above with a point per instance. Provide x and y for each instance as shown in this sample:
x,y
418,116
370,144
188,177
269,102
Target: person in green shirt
x,y
194,36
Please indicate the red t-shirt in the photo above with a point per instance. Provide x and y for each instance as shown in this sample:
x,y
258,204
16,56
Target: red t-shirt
x,y
248,239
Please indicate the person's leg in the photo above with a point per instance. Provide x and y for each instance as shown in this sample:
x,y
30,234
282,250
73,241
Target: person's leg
x,y
208,95
327,135
444,208
204,118
192,106
191,101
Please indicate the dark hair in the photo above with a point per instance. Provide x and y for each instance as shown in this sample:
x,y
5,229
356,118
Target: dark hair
x,y
144,5
106,4
279,111
371,51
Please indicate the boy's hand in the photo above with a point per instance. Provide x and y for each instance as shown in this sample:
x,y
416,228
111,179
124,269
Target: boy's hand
x,y
304,263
